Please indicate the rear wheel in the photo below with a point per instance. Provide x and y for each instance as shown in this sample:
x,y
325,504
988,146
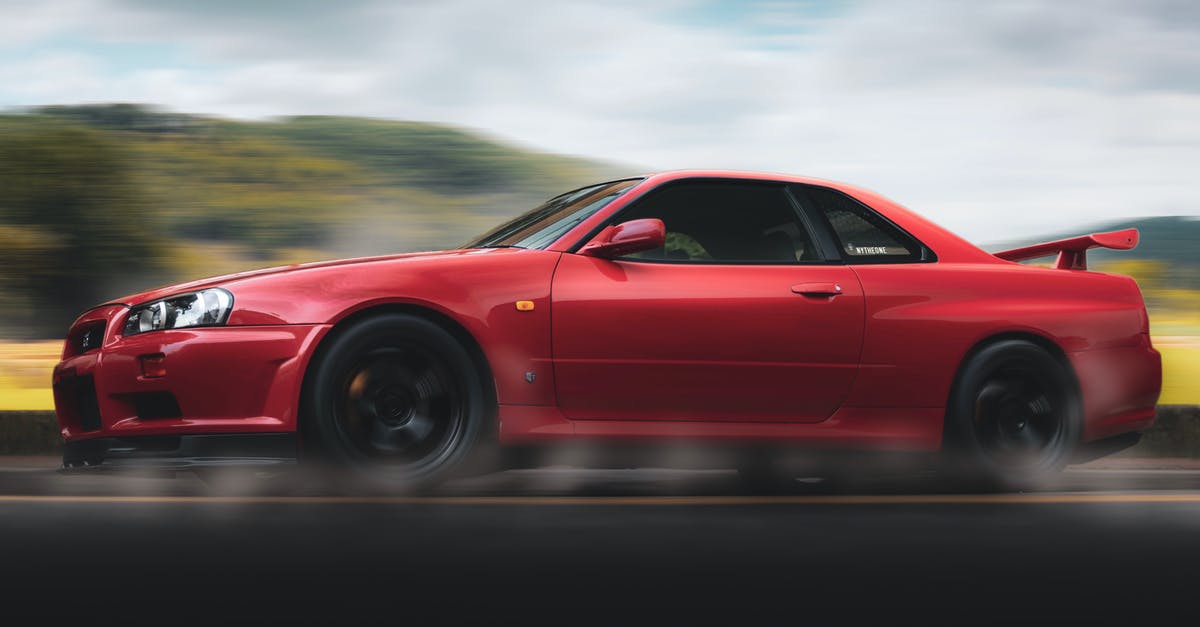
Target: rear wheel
x,y
1013,418
396,401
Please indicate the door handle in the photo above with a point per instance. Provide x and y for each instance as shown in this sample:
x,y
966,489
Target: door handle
x,y
828,290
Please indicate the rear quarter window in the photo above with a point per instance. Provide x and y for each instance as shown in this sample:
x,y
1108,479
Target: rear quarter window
x,y
861,234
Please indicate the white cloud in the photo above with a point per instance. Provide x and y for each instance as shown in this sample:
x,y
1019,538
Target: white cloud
x,y
995,119
27,22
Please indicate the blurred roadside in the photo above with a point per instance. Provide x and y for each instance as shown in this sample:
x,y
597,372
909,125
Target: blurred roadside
x,y
25,369
99,201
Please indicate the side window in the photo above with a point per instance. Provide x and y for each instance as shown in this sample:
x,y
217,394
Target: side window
x,y
863,236
725,222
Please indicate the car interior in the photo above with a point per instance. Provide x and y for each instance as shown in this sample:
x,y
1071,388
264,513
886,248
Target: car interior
x,y
725,222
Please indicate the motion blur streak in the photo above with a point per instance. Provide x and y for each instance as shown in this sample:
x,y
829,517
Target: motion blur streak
x,y
927,499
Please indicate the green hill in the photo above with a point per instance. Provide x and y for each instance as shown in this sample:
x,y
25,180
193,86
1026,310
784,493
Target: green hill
x,y
101,200
324,182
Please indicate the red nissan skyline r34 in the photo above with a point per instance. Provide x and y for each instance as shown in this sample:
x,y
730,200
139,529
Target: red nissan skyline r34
x,y
745,311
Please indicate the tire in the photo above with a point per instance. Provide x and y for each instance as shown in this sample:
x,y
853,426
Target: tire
x,y
393,403
1013,418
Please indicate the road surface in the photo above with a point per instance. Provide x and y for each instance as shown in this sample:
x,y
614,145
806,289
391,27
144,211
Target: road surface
x,y
565,547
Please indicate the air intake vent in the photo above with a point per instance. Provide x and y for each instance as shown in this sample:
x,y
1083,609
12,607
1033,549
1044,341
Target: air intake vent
x,y
156,405
86,404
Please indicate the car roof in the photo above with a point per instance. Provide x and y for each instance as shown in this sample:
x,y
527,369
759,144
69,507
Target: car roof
x,y
667,175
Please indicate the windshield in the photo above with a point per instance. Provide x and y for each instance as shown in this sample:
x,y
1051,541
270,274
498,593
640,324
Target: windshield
x,y
542,225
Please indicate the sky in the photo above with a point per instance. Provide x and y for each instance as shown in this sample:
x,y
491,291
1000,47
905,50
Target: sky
x,y
999,120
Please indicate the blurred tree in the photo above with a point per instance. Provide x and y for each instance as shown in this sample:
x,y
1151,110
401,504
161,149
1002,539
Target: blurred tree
x,y
73,225
122,116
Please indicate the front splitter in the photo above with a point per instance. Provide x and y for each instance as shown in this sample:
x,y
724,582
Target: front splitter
x,y
180,452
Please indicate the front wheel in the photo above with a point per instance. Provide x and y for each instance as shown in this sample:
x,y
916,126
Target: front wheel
x,y
1014,416
395,401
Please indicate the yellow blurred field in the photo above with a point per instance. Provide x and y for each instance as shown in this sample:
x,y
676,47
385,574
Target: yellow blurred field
x,y
1181,370
25,369
25,372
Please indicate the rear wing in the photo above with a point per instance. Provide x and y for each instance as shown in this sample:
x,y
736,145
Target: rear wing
x,y
1072,253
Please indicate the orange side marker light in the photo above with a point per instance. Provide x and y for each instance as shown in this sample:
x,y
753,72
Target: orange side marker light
x,y
154,366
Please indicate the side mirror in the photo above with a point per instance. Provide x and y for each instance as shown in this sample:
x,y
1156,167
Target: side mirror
x,y
627,238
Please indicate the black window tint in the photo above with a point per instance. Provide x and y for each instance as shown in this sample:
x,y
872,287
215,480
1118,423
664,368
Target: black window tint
x,y
863,236
723,222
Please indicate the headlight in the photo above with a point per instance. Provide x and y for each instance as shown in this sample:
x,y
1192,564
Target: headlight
x,y
205,308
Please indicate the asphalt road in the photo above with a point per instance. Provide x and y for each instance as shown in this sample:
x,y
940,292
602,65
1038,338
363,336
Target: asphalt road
x,y
569,547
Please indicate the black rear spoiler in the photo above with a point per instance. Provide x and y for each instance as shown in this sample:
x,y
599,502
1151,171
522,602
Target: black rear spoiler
x,y
1072,253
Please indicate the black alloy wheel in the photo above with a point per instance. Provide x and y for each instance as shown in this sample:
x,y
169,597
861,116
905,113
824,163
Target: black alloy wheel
x,y
1014,416
400,405
1016,421
396,400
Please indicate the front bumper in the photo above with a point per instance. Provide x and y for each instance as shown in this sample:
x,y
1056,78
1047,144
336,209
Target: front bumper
x,y
213,380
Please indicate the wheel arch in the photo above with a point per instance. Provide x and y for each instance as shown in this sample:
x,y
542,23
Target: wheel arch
x,y
446,322
1037,339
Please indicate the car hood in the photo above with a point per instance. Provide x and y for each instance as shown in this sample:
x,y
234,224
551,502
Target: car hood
x,y
191,286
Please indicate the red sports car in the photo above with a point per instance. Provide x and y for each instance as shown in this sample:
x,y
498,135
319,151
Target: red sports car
x,y
748,311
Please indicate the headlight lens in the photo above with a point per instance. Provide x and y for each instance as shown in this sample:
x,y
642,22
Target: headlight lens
x,y
198,309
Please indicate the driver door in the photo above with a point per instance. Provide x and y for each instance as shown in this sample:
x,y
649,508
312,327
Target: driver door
x,y
736,318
